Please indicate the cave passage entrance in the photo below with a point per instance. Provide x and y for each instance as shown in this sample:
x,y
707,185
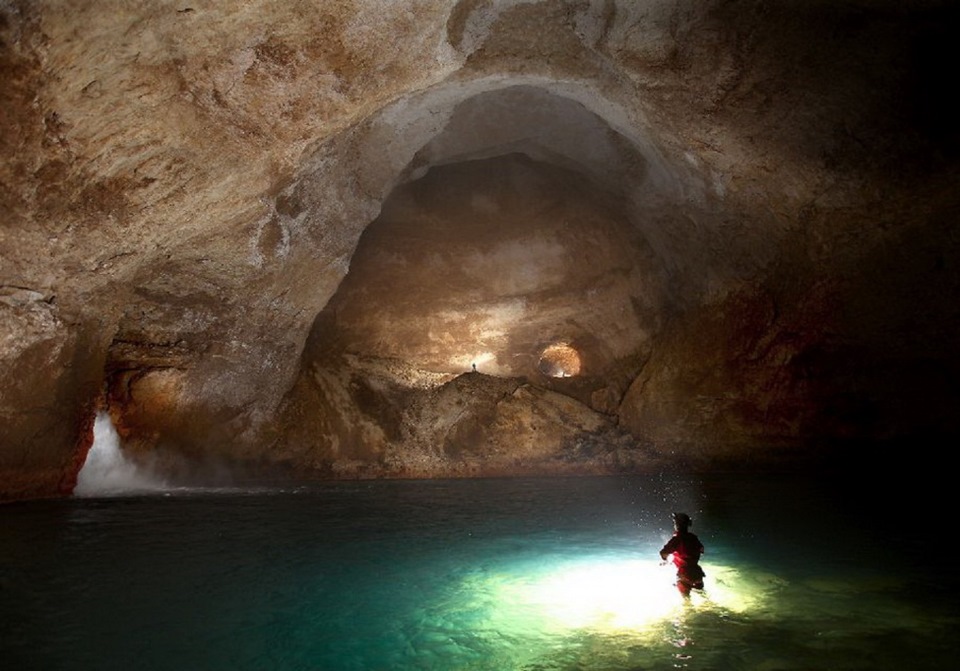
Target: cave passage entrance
x,y
559,360
484,261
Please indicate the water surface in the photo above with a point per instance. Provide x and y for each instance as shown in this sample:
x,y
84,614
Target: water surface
x,y
529,573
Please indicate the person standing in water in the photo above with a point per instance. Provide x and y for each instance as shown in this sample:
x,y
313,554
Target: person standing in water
x,y
686,549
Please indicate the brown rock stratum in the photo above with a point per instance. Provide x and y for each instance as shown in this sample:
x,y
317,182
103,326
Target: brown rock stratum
x,y
340,238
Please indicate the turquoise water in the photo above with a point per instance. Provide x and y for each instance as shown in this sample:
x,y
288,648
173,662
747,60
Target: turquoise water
x,y
530,573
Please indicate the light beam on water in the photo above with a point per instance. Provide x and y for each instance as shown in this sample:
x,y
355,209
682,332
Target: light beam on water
x,y
613,595
107,471
473,575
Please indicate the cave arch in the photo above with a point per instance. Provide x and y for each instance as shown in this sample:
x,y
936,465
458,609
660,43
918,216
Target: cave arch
x,y
487,259
566,123
537,131
542,125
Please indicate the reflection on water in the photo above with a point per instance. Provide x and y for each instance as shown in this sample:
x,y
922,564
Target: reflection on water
x,y
484,574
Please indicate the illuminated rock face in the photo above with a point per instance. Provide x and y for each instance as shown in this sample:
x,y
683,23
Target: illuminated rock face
x,y
278,234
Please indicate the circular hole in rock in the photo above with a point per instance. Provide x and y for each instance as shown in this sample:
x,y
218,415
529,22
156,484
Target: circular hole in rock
x,y
559,360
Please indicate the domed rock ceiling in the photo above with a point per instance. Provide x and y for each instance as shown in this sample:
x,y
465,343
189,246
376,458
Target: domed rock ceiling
x,y
447,238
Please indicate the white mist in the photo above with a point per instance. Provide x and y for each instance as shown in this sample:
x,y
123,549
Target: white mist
x,y
107,472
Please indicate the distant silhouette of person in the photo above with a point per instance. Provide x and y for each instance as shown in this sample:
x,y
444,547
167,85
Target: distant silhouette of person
x,y
474,368
686,549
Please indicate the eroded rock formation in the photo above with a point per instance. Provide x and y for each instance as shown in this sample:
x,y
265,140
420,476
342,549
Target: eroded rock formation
x,y
285,233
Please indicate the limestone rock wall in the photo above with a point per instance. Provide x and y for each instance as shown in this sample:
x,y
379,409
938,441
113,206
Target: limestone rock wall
x,y
183,189
356,421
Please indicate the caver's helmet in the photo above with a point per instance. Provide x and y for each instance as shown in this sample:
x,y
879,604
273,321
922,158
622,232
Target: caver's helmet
x,y
682,521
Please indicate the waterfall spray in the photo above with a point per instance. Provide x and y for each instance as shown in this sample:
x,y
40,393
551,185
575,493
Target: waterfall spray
x,y
107,472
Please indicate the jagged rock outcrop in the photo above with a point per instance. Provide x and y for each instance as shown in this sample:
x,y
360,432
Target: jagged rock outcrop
x,y
750,243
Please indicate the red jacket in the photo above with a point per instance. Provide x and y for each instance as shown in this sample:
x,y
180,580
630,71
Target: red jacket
x,y
686,549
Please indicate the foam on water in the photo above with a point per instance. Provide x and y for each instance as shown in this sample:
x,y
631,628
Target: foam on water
x,y
107,471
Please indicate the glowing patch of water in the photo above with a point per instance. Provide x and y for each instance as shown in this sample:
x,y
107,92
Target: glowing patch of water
x,y
610,595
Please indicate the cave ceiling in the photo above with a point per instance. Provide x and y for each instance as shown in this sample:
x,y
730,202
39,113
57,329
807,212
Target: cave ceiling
x,y
434,238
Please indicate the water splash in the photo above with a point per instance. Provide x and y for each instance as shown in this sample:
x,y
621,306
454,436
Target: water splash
x,y
107,472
